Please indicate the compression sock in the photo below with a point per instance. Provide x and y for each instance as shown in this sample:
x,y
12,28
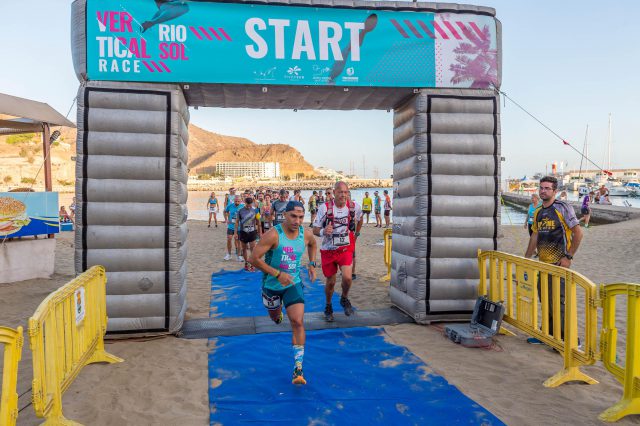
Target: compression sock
x,y
298,354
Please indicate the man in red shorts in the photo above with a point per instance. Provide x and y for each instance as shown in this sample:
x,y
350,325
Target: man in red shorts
x,y
338,222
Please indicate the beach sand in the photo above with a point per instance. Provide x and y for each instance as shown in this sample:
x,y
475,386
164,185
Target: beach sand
x,y
163,381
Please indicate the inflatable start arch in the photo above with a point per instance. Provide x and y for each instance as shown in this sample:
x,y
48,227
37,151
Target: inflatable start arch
x,y
142,63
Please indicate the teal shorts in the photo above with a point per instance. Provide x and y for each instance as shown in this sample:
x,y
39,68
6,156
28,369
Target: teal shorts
x,y
287,296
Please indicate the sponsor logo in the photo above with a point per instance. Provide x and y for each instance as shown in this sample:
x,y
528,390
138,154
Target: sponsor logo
x,y
294,70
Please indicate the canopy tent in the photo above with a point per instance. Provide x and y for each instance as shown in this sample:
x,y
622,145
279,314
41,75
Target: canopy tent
x,y
30,116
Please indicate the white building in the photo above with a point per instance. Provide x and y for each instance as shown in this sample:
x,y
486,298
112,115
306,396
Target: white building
x,y
259,169
621,174
329,173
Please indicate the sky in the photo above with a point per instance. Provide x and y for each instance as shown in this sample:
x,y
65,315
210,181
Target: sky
x,y
570,63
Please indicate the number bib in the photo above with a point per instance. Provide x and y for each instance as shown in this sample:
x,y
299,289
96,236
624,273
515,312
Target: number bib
x,y
266,226
271,303
280,217
249,228
340,240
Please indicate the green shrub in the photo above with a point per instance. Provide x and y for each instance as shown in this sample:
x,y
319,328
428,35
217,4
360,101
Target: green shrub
x,y
27,180
17,139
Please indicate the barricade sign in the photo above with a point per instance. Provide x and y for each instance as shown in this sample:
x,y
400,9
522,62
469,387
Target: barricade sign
x,y
66,333
12,341
387,254
534,294
629,373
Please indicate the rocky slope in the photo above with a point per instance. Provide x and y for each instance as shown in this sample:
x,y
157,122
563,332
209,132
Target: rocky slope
x,y
21,159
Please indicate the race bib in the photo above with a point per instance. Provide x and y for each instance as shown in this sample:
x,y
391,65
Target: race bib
x,y
266,226
340,240
271,302
280,217
249,228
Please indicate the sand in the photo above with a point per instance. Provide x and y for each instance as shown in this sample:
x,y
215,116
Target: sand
x,y
163,381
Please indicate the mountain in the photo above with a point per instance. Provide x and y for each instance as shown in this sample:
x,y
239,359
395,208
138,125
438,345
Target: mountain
x,y
21,155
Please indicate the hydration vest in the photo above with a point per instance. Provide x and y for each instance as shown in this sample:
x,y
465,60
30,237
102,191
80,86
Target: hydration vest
x,y
352,214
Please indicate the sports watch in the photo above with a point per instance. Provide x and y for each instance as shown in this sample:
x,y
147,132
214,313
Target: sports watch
x,y
568,256
312,263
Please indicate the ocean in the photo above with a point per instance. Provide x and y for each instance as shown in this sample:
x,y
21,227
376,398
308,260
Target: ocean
x,y
197,204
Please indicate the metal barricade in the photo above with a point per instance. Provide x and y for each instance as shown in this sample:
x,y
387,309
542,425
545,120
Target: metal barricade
x,y
12,340
66,333
515,281
388,233
629,373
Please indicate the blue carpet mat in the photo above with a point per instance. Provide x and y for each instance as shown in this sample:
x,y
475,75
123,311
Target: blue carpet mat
x,y
354,377
238,294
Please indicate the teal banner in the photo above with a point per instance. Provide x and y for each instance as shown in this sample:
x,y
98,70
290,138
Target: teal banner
x,y
202,42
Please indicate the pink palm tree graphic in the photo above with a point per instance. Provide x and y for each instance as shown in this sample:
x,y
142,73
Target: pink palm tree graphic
x,y
476,61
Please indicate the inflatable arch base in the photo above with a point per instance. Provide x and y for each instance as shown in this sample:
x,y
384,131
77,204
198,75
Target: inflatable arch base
x,y
446,174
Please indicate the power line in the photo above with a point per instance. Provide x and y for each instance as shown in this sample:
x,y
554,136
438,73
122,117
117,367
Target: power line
x,y
564,141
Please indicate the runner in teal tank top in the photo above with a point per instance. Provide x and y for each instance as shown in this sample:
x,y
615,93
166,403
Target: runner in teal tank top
x,y
283,247
285,257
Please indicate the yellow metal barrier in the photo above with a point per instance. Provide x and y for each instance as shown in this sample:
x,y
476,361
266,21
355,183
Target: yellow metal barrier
x,y
12,340
387,254
514,280
629,374
66,333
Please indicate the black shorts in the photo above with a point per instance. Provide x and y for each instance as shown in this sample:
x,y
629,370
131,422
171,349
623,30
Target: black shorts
x,y
387,212
248,237
366,211
230,231
585,210
377,211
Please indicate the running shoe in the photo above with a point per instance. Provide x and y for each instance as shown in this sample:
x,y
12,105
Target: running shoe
x,y
354,276
280,318
298,379
209,226
534,341
227,256
346,305
240,259
328,313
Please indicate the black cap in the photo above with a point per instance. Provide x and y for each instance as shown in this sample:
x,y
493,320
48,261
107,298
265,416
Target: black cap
x,y
291,205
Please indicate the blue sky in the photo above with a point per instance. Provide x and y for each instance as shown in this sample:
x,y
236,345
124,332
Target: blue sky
x,y
571,63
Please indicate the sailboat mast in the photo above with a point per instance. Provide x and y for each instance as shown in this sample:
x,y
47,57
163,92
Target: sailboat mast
x,y
609,146
584,151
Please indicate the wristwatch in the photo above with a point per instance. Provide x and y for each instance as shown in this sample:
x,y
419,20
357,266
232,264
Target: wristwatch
x,y
312,263
568,256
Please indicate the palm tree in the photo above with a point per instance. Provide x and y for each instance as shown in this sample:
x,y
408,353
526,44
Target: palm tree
x,y
477,62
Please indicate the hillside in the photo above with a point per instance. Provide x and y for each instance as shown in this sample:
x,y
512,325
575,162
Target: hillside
x,y
21,155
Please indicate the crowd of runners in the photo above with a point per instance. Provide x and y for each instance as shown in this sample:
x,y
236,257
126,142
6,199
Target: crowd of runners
x,y
265,231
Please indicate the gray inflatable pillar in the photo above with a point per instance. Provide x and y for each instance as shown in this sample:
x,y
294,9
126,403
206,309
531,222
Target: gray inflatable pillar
x,y
131,189
446,174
